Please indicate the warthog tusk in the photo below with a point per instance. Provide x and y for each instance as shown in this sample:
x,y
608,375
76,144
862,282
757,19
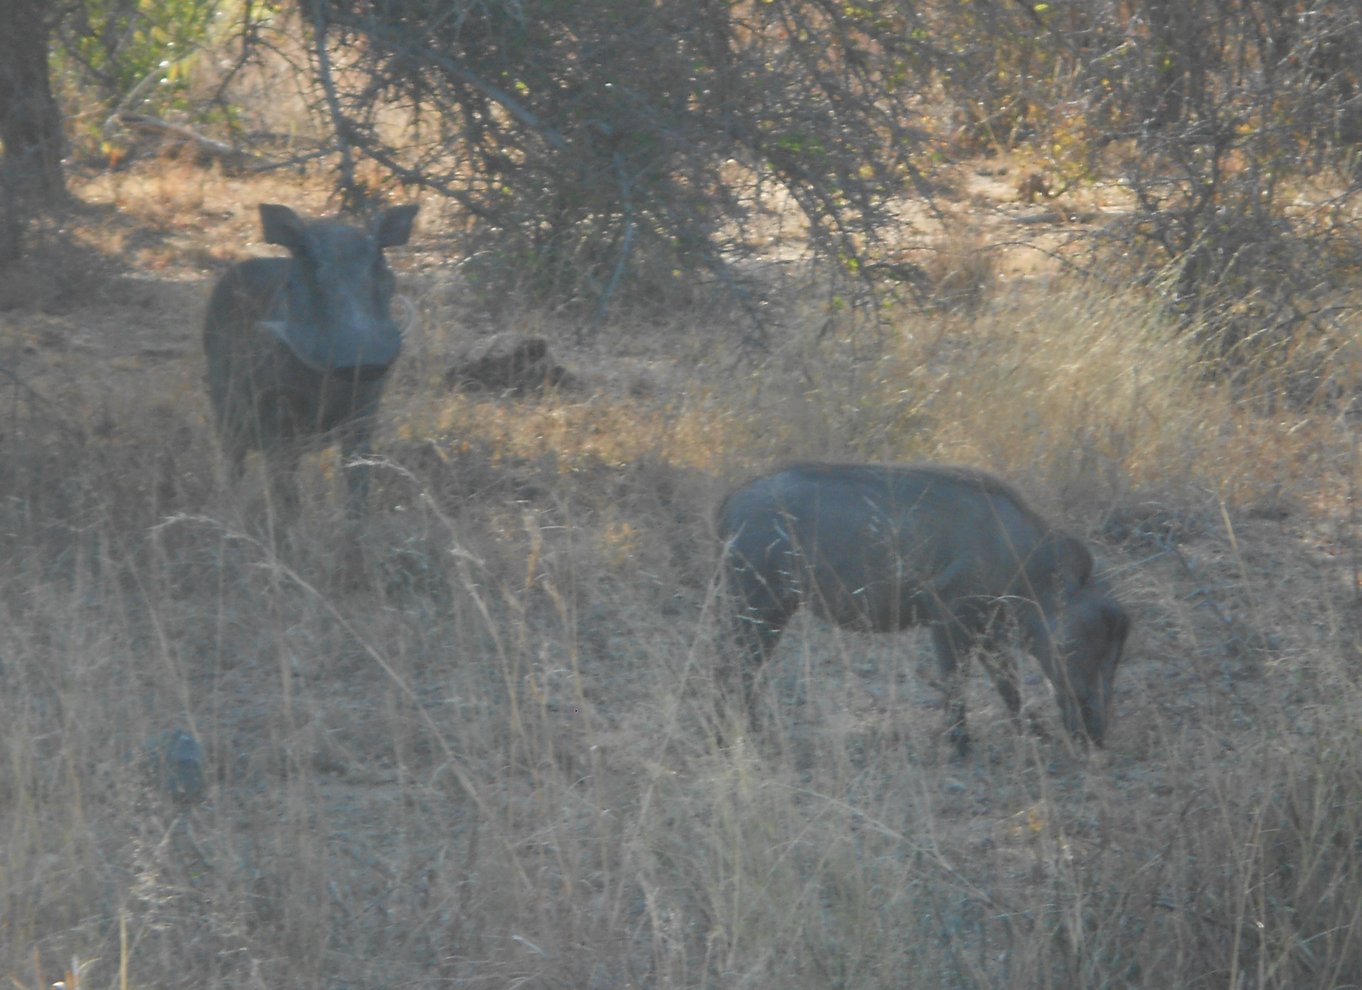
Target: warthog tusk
x,y
409,313
275,327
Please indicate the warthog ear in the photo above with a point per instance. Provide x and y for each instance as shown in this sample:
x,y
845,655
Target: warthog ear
x,y
393,226
1062,559
1080,557
282,226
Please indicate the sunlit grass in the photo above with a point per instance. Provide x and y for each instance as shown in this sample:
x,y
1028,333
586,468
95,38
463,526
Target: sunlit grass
x,y
607,429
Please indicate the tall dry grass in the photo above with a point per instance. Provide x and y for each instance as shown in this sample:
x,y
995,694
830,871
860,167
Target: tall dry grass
x,y
471,740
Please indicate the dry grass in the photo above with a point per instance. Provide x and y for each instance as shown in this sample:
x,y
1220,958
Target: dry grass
x,y
470,741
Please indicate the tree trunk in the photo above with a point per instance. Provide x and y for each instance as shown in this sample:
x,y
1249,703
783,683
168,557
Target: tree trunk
x,y
30,121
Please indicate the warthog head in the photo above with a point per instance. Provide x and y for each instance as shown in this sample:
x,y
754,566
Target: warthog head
x,y
335,311
1086,641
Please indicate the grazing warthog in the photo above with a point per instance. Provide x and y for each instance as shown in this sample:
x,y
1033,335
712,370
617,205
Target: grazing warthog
x,y
298,347
880,548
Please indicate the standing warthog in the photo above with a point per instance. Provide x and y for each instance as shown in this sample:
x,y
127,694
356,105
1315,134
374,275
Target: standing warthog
x,y
880,548
298,347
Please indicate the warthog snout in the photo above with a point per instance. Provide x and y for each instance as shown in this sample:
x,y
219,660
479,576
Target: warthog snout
x,y
298,348
880,548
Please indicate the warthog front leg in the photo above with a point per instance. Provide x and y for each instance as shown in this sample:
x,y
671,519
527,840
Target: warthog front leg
x,y
757,638
356,449
1001,663
281,469
954,644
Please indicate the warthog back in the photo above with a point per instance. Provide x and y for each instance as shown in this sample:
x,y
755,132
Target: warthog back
x,y
298,347
882,547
